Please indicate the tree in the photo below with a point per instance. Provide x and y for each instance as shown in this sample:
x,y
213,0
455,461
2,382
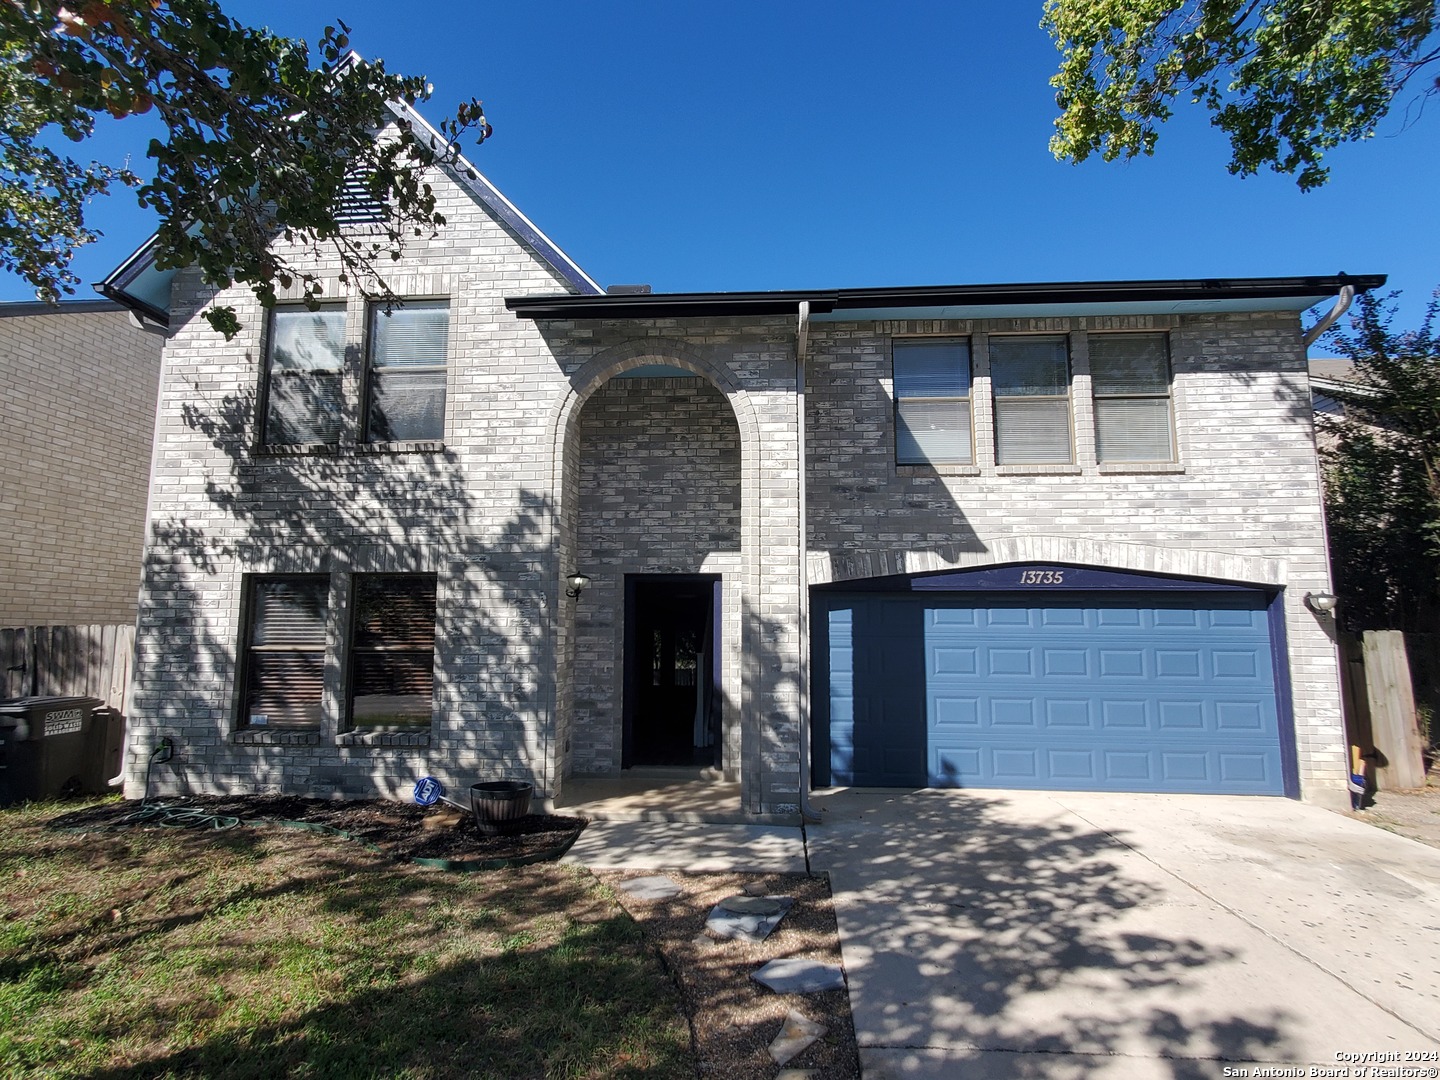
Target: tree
x,y
1286,80
1382,472
258,145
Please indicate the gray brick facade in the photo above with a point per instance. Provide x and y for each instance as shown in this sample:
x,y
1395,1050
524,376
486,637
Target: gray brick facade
x,y
550,464
77,416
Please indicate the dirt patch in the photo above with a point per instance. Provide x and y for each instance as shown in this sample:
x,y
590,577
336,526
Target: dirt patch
x,y
1414,814
733,1018
401,830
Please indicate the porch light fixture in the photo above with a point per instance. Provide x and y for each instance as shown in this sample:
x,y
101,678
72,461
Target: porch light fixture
x,y
1322,603
577,583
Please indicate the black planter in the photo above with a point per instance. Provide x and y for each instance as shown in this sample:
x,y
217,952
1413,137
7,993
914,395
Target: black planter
x,y
500,805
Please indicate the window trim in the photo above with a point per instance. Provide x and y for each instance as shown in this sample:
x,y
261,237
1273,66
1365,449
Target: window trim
x,y
1168,396
968,400
1068,399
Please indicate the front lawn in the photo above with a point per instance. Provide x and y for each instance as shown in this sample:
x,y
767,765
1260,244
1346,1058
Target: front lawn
x,y
263,952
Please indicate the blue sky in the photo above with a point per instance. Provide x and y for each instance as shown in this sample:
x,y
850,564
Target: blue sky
x,y
764,146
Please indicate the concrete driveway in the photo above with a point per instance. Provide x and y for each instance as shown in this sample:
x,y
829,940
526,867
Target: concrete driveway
x,y
1023,934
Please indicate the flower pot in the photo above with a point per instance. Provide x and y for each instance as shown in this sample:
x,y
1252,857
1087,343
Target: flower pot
x,y
500,805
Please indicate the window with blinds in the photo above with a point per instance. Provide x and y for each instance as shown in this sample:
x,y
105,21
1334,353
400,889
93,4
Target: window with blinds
x,y
284,659
932,402
1030,377
407,372
1130,379
304,370
392,651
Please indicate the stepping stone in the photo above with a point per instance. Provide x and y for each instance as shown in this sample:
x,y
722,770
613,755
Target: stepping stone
x,y
658,887
796,1034
755,905
797,1074
755,888
799,976
749,918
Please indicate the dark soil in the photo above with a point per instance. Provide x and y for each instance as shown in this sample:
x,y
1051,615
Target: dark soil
x,y
401,830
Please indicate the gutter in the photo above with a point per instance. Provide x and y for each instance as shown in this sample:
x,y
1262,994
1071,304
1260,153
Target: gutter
x,y
830,301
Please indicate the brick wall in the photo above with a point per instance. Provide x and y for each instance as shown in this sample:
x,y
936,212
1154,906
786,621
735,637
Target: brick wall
x,y
77,412
474,510
1242,501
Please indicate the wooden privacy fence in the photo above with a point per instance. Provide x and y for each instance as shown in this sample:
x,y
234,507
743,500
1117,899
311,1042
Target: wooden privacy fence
x,y
82,661
1381,711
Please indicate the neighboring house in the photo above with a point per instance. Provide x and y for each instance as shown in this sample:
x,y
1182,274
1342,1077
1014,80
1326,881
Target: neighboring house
x,y
1332,384
1052,536
78,387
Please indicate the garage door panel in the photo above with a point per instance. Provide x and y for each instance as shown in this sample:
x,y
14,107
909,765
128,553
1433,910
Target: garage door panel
x,y
1140,692
1060,663
955,661
956,712
1009,662
1069,713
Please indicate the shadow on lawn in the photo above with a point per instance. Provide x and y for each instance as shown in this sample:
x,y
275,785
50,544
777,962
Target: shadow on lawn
x,y
259,954
568,1009
976,925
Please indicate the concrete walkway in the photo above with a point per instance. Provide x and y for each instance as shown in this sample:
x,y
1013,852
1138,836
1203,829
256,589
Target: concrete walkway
x,y
657,845
1020,934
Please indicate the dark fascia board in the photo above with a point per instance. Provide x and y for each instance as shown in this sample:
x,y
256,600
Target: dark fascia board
x,y
824,302
10,309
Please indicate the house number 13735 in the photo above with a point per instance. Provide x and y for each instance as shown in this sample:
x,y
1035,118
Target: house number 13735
x,y
1042,577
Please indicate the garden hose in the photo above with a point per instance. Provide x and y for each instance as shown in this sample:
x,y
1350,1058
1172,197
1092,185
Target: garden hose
x,y
172,817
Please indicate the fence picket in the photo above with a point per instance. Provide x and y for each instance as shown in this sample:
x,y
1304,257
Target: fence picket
x,y
92,660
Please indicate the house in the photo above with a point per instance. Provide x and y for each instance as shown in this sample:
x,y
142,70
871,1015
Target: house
x,y
78,385
1042,535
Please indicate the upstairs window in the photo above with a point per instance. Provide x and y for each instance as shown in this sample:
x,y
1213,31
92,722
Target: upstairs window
x,y
932,402
1130,379
406,385
1030,377
392,651
284,659
304,373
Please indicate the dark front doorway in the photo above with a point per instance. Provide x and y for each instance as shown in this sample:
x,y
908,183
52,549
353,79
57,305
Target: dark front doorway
x,y
672,667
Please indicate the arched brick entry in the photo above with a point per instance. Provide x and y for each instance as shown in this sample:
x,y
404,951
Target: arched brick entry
x,y
743,753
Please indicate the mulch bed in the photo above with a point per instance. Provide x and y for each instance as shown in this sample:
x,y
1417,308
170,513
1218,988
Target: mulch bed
x,y
399,829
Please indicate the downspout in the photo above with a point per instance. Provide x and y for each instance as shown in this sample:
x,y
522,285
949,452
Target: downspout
x,y
1342,305
802,347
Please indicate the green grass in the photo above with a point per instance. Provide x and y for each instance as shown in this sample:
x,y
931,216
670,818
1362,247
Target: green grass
x,y
273,952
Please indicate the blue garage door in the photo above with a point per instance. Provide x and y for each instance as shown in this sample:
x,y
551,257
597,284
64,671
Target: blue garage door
x,y
1131,692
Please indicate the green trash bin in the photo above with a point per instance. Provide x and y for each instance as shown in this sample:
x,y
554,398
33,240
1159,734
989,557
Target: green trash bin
x,y
48,748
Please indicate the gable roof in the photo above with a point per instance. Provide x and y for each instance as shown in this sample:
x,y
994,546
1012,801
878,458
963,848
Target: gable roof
x,y
139,285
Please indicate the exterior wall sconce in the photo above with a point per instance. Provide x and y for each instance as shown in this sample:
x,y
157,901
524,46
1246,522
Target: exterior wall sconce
x,y
1322,603
577,583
